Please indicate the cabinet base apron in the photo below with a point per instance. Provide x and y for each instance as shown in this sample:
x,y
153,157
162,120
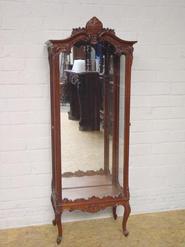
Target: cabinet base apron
x,y
91,205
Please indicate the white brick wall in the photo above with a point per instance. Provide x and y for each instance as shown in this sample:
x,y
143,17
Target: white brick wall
x,y
157,157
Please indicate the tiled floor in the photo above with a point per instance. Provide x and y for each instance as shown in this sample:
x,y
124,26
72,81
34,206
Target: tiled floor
x,y
147,230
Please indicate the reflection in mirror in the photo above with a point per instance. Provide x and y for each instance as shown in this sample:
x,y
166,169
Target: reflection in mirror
x,y
88,106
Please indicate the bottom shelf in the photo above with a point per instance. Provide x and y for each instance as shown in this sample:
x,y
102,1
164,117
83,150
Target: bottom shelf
x,y
86,193
86,187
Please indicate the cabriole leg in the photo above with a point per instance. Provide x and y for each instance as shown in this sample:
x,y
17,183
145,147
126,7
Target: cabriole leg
x,y
125,218
59,225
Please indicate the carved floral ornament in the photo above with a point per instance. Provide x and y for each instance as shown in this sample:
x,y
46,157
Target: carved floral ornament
x,y
92,34
91,205
80,173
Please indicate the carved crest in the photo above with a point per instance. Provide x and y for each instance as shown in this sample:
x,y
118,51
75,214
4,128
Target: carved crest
x,y
93,33
94,25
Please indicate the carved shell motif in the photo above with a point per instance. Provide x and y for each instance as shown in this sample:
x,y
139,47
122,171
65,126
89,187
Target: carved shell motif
x,y
94,25
94,29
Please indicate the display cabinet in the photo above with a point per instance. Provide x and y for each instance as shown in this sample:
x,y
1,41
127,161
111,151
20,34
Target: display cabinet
x,y
90,76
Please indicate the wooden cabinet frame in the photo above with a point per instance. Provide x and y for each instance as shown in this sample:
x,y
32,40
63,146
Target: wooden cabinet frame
x,y
92,33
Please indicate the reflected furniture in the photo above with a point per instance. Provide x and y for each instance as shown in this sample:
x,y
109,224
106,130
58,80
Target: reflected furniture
x,y
84,98
103,110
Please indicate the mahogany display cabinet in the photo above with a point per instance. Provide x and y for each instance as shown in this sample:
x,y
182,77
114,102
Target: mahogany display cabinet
x,y
90,78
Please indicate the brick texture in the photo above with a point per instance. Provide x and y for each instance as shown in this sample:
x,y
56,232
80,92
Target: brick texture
x,y
157,151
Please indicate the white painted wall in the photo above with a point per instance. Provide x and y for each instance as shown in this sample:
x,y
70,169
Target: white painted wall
x,y
157,157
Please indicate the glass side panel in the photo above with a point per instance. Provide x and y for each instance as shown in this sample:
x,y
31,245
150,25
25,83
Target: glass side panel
x,y
121,118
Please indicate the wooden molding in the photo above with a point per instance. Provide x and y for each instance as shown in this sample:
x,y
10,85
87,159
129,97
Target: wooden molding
x,y
81,173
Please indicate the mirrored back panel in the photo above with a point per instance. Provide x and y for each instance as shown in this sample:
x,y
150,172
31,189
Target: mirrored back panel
x,y
92,112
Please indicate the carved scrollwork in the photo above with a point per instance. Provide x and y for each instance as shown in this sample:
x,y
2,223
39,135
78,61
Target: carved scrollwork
x,y
65,48
54,51
93,199
109,30
80,173
94,203
77,30
90,208
93,33
128,50
123,50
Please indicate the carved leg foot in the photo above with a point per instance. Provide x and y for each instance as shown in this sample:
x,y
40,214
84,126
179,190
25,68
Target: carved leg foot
x,y
114,212
59,225
125,218
59,239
